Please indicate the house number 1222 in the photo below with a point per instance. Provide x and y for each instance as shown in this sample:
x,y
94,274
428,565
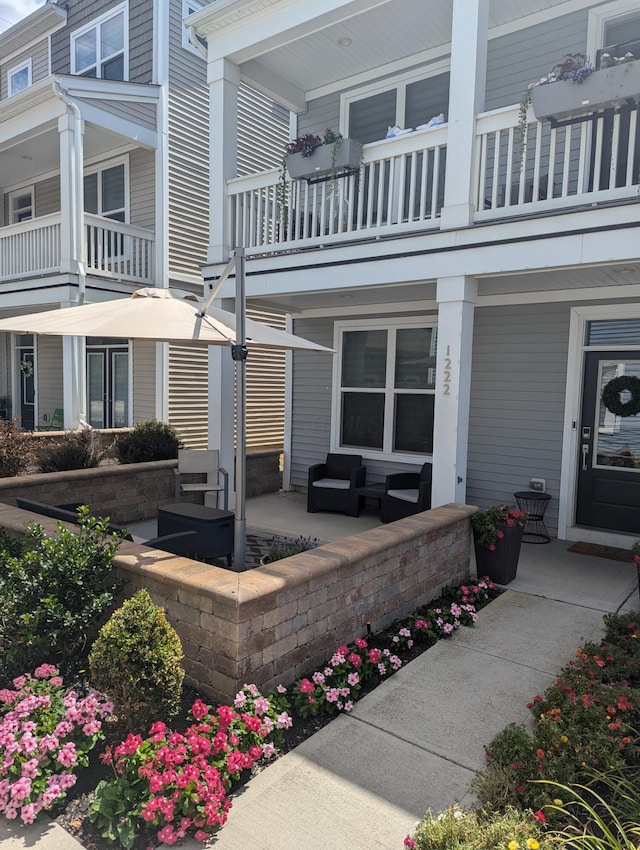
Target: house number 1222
x,y
446,381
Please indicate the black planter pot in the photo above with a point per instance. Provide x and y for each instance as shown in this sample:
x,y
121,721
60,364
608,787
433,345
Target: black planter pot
x,y
501,564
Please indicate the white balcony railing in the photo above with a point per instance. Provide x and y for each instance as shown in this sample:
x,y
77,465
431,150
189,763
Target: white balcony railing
x,y
111,249
31,247
400,186
577,162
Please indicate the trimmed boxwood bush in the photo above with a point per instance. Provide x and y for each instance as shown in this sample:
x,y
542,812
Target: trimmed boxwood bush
x,y
136,662
148,441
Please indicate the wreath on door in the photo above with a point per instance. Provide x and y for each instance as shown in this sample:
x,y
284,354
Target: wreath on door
x,y
611,395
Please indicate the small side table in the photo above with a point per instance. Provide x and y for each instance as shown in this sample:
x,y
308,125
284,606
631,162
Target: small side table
x,y
535,505
370,491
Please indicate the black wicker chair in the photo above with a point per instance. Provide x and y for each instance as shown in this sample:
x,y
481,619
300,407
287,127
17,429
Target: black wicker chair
x,y
332,484
406,493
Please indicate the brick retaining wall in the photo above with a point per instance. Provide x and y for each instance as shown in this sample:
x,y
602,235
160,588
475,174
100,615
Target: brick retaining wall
x,y
129,492
274,623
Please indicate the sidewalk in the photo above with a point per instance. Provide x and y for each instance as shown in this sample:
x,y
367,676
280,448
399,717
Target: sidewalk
x,y
416,741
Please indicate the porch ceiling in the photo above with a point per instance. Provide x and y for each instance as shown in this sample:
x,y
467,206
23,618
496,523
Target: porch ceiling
x,y
405,297
310,55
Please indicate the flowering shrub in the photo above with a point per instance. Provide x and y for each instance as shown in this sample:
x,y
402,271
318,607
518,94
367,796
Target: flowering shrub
x,y
336,686
46,732
486,524
177,783
585,721
307,143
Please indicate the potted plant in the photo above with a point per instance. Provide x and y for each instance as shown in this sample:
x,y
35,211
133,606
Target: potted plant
x,y
497,536
312,156
284,547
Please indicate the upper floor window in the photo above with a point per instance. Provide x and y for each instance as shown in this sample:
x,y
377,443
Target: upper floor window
x,y
100,48
105,192
385,388
19,78
20,205
188,8
409,101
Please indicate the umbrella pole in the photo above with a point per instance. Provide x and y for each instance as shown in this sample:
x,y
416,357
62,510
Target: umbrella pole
x,y
239,354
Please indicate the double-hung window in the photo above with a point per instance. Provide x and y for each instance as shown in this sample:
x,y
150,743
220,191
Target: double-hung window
x,y
385,388
100,48
21,205
19,78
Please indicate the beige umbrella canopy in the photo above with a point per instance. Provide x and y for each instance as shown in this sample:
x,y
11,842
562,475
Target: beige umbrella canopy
x,y
163,315
171,315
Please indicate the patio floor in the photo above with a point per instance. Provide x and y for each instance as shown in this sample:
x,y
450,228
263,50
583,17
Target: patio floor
x,y
548,570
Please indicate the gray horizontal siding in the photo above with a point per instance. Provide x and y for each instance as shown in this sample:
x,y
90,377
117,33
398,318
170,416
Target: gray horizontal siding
x,y
39,55
47,194
141,113
263,130
144,381
517,402
142,178
265,389
321,113
517,59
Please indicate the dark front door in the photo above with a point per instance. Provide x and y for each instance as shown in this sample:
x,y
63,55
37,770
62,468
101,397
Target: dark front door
x,y
609,446
107,384
27,388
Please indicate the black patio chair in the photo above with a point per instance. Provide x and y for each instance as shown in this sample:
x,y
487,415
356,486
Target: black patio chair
x,y
332,484
406,493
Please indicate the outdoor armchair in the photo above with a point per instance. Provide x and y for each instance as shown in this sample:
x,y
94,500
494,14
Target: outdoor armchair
x,y
406,493
332,484
195,462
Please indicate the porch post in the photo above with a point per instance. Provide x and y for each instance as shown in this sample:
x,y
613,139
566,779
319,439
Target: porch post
x,y
469,36
68,249
456,298
74,383
224,79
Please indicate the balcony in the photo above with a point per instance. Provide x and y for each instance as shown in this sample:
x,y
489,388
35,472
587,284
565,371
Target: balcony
x,y
591,159
111,249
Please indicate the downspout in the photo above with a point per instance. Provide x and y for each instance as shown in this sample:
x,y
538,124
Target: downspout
x,y
78,189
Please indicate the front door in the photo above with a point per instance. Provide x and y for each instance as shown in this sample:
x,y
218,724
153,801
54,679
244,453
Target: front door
x,y
26,362
609,442
108,383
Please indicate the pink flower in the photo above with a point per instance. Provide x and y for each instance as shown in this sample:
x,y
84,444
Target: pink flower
x,y
67,755
268,751
239,701
355,659
45,671
306,687
199,709
281,689
167,835
284,721
361,643
353,679
261,706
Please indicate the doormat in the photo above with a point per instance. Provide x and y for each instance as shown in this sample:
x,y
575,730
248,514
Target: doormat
x,y
600,551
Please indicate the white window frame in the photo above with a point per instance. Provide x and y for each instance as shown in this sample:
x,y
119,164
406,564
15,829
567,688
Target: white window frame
x,y
188,8
98,168
398,82
599,17
386,453
16,70
96,24
15,193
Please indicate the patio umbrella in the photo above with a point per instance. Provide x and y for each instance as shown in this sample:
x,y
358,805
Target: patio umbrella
x,y
171,315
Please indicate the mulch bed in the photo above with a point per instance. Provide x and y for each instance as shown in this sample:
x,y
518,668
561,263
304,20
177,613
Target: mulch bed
x,y
73,813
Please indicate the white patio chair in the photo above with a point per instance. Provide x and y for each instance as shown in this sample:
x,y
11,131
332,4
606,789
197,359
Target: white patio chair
x,y
196,462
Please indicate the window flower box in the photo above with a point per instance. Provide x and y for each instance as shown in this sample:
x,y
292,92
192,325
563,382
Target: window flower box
x,y
603,88
325,160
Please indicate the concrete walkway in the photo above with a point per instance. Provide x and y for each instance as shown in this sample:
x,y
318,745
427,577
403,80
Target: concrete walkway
x,y
416,741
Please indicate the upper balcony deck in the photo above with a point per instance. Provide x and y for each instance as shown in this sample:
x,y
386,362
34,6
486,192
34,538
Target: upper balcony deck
x,y
400,186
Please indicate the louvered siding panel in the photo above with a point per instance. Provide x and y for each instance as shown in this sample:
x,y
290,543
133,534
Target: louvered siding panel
x,y
263,130
188,109
265,389
188,394
144,381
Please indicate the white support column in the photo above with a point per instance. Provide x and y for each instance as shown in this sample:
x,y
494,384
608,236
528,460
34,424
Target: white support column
x,y
456,298
68,249
74,391
469,36
224,79
222,410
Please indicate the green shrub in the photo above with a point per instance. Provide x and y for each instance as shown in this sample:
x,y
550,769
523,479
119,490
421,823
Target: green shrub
x,y
148,441
136,662
17,450
75,450
53,593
